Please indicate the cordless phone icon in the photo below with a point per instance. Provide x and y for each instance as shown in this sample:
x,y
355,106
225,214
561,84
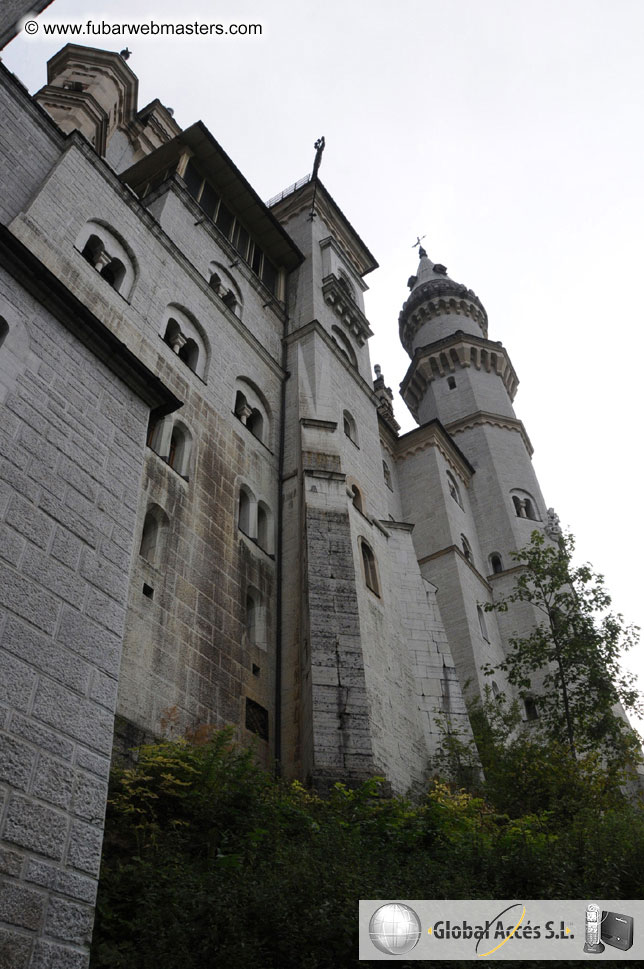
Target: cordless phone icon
x,y
593,923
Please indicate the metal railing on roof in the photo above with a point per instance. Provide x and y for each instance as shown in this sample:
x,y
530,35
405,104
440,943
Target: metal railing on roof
x,y
288,191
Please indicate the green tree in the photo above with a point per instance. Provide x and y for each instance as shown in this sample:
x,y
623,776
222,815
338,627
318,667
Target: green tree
x,y
572,658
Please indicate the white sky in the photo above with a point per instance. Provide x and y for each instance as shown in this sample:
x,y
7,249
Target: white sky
x,y
510,133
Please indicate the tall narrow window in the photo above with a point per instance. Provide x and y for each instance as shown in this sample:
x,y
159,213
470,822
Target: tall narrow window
x,y
154,525
387,475
244,511
467,550
454,489
349,426
496,562
179,454
255,424
4,330
370,569
356,498
264,527
483,624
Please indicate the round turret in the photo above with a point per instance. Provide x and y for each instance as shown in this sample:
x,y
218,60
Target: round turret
x,y
437,307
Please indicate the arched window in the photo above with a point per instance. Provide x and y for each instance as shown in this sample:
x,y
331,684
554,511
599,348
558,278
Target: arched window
x,y
451,383
264,527
349,426
242,408
114,273
185,337
154,524
251,408
495,689
496,563
255,424
483,624
370,569
179,454
467,550
230,300
387,475
524,506
109,254
4,330
356,498
215,283
92,250
345,346
189,353
172,335
346,285
454,489
245,511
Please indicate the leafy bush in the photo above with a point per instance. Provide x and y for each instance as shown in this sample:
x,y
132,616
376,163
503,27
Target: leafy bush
x,y
208,861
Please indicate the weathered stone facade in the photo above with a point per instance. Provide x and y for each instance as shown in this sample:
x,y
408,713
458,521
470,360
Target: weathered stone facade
x,y
207,514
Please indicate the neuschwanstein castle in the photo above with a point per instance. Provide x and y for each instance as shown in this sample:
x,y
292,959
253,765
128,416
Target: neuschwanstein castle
x,y
208,513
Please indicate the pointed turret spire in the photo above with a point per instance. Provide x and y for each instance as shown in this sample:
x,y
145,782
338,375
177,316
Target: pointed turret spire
x,y
427,270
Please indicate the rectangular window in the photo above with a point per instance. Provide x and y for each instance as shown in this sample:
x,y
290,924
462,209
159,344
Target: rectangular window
x,y
193,180
241,240
257,260
269,275
224,220
209,200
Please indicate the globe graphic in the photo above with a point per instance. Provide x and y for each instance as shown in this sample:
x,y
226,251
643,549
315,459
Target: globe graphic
x,y
394,928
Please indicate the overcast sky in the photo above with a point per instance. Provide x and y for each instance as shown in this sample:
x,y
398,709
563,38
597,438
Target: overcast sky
x,y
509,133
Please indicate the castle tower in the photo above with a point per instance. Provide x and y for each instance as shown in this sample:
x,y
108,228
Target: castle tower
x,y
366,667
466,383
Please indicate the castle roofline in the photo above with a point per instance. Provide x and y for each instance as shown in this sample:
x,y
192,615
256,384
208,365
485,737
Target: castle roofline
x,y
234,187
309,190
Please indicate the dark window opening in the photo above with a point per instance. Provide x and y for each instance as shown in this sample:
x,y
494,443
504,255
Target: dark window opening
x,y
370,570
496,563
4,330
531,709
193,180
148,591
256,669
256,719
451,382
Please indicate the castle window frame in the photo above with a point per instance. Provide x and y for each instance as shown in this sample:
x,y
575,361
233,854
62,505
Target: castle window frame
x,y
369,567
350,428
155,525
483,624
454,489
252,410
180,449
247,512
184,335
467,550
4,330
357,499
496,563
524,505
256,719
386,473
264,527
108,253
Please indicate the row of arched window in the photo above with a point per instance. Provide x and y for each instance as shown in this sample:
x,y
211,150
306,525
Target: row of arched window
x,y
108,253
255,519
524,504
